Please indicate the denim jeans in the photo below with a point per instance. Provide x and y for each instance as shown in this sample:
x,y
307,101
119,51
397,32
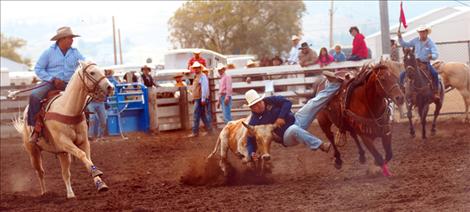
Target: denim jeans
x,y
97,119
201,112
354,57
37,95
434,74
226,109
297,133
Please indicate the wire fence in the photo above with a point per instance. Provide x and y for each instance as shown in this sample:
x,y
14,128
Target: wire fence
x,y
455,51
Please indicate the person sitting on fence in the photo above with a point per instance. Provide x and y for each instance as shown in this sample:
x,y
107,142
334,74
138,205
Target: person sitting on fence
x,y
425,50
292,129
277,61
324,59
359,50
339,55
197,57
225,93
307,56
55,67
200,91
148,81
294,51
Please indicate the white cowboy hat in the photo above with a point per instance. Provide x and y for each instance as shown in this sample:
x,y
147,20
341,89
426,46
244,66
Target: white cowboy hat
x,y
250,62
220,66
295,37
63,32
252,97
424,28
197,51
196,65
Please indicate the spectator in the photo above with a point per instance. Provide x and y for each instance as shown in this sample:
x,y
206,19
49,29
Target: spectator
x,y
98,127
359,50
307,56
225,91
231,66
148,81
109,73
338,55
200,91
394,51
179,81
197,57
294,51
277,61
324,59
251,64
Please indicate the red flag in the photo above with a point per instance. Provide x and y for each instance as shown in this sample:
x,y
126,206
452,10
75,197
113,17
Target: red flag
x,y
402,15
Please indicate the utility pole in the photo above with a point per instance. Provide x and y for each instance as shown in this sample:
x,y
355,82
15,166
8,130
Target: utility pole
x,y
120,49
384,27
331,24
114,43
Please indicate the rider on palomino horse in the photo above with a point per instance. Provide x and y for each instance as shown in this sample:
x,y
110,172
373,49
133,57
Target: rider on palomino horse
x,y
55,67
425,50
291,128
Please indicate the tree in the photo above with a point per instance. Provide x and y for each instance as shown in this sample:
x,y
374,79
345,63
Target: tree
x,y
9,46
237,27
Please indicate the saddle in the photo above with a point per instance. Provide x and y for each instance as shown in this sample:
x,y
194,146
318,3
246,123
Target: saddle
x,y
43,114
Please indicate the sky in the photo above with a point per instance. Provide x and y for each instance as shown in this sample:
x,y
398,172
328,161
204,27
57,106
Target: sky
x,y
144,24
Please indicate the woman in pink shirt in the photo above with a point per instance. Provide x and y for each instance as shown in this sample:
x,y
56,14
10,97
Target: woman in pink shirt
x,y
324,58
225,91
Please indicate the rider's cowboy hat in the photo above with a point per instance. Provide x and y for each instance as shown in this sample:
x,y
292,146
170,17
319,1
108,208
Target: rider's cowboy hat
x,y
63,32
220,66
252,97
424,28
295,37
196,65
197,51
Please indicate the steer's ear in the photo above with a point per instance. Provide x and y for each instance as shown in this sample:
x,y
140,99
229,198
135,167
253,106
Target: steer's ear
x,y
250,128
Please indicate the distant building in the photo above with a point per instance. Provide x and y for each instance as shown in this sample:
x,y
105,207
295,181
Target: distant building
x,y
11,65
448,25
14,73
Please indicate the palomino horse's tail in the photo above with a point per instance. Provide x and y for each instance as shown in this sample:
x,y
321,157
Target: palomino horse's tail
x,y
18,123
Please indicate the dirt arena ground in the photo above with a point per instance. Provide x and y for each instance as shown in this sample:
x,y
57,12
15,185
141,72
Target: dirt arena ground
x,y
144,174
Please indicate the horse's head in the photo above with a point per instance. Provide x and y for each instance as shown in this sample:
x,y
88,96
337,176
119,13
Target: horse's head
x,y
264,136
94,80
409,61
387,83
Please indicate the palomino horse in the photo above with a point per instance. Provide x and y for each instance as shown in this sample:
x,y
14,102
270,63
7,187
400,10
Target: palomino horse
x,y
456,75
65,139
418,91
361,107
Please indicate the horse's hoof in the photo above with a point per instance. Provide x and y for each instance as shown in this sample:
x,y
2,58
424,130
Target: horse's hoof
x,y
338,164
95,172
101,186
71,196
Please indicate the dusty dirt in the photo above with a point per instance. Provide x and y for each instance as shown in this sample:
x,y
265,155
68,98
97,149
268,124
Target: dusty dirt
x,y
145,174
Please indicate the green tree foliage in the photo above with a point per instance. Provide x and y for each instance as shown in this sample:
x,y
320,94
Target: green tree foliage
x,y
9,46
237,27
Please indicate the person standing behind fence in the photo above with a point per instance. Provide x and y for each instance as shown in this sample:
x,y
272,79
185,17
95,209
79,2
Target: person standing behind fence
x,y
55,67
98,125
338,55
147,80
197,57
307,56
394,51
294,51
359,50
200,91
225,91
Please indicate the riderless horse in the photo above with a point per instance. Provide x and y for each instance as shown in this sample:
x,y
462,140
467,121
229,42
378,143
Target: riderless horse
x,y
418,91
361,107
65,131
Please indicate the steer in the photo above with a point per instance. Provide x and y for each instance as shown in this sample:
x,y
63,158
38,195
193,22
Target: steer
x,y
234,137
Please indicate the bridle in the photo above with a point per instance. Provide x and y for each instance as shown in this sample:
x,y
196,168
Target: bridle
x,y
387,91
94,90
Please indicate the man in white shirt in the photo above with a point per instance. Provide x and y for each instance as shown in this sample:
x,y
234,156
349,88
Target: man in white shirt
x,y
294,51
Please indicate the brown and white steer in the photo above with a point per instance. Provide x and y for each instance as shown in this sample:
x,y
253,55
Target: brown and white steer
x,y
234,137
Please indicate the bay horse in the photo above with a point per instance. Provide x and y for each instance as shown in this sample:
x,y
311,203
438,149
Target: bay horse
x,y
70,136
418,91
361,107
456,75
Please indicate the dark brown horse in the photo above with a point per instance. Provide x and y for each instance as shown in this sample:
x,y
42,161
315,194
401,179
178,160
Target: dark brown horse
x,y
418,91
361,107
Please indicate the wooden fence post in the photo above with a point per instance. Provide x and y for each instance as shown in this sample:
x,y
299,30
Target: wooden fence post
x,y
184,108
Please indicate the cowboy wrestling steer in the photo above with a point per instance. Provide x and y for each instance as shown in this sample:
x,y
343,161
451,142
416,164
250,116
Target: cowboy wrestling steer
x,y
234,137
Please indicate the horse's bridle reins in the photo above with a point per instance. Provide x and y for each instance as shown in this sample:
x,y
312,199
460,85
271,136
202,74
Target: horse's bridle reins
x,y
95,87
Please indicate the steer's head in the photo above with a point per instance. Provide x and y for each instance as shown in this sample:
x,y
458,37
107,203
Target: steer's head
x,y
264,136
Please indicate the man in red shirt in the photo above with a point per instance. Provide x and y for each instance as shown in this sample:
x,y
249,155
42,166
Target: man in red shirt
x,y
359,50
197,57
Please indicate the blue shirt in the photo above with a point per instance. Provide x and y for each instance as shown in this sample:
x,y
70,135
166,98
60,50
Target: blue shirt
x,y
204,87
339,57
422,49
276,107
294,55
54,64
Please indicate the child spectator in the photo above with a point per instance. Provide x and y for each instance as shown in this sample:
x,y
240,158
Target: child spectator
x,y
339,55
324,59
